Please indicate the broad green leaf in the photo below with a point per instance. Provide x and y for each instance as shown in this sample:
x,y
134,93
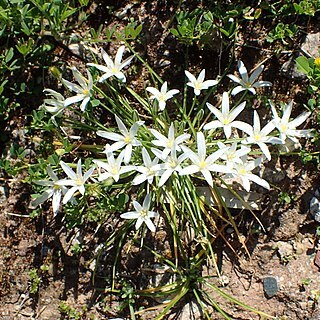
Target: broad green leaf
x,y
303,65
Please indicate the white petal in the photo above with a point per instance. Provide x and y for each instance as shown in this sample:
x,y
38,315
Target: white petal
x,y
237,110
165,176
190,76
74,99
56,201
243,71
237,89
130,215
150,225
106,59
207,175
225,104
234,78
69,172
69,194
255,74
146,202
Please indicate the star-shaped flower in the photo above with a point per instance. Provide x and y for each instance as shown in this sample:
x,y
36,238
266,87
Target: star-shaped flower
x,y
243,171
261,136
126,139
113,68
170,164
83,90
113,168
76,180
170,142
199,84
226,117
232,154
54,104
163,95
54,191
149,170
248,83
142,214
202,163
286,127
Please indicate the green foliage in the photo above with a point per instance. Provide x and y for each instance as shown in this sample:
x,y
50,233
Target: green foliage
x,y
311,68
281,32
29,30
69,311
202,27
35,281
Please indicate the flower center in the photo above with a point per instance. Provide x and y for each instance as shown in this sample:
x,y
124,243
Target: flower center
x,y
162,97
114,170
283,127
79,182
56,187
202,165
85,92
144,213
198,85
257,137
225,121
114,70
172,163
170,143
127,139
242,171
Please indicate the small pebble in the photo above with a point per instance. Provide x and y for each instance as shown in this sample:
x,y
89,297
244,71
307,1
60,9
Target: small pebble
x,y
270,286
315,206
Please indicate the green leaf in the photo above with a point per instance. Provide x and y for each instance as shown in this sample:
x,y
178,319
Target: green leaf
x,y
9,55
174,32
303,65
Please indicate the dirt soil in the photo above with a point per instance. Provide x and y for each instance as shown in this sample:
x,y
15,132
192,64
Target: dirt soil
x,y
284,250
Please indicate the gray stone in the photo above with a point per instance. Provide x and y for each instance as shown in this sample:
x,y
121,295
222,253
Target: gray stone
x,y
311,45
270,286
289,70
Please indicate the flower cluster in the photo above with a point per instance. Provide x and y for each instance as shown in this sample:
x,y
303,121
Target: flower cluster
x,y
155,155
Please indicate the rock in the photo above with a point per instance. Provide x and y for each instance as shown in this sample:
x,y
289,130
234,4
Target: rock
x,y
315,206
310,49
289,70
285,250
311,45
3,196
191,311
317,259
270,286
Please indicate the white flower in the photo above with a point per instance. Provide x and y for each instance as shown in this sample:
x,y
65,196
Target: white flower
x,y
113,68
149,170
226,117
246,82
126,138
168,143
202,163
163,95
286,127
113,168
54,191
83,90
233,155
243,172
199,84
76,181
171,164
260,136
54,104
142,214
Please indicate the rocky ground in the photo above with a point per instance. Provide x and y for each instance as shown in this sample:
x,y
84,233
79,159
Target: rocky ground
x,y
281,277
